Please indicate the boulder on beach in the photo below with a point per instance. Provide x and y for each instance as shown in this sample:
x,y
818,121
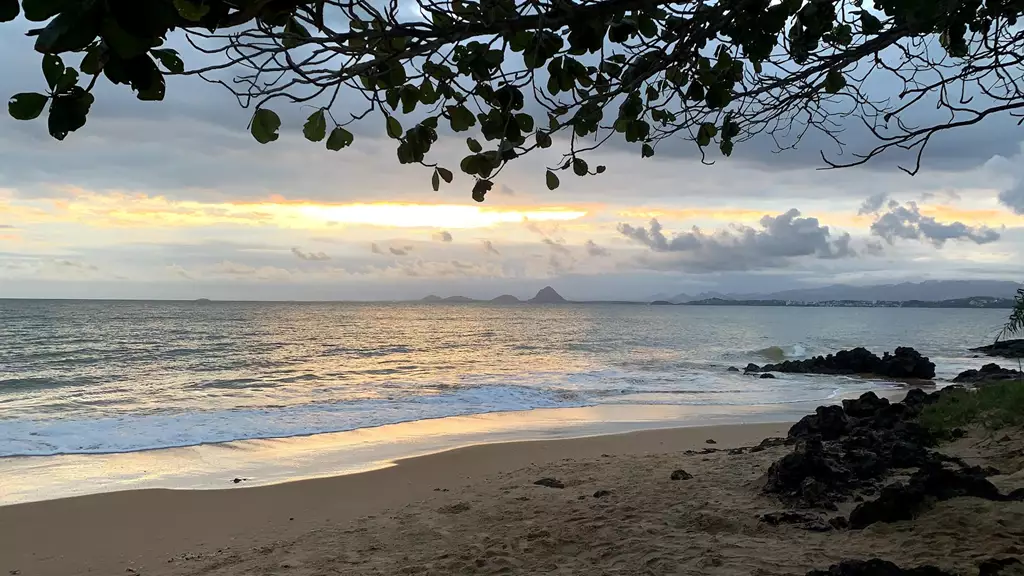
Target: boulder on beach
x,y
903,363
1003,348
987,373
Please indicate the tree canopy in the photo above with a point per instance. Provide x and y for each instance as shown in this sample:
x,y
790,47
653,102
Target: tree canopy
x,y
521,75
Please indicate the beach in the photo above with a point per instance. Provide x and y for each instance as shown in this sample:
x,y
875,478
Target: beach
x,y
477,510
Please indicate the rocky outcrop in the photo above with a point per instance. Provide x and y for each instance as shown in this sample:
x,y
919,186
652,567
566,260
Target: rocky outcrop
x,y
1003,349
903,363
876,567
932,483
988,373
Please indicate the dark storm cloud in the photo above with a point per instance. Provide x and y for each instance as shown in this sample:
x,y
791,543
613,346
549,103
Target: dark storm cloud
x,y
403,251
908,223
310,256
593,249
741,247
443,236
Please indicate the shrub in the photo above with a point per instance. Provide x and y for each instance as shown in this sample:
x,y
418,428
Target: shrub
x,y
993,406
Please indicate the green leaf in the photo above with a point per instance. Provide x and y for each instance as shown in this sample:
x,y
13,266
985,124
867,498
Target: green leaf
x,y
53,69
551,179
9,10
410,96
474,146
726,147
339,138
394,127
168,58
579,166
646,151
525,122
834,81
481,188
27,105
69,31
315,128
67,80
190,10
265,124
294,33
435,181
68,112
93,62
705,133
446,174
543,139
461,118
600,169
42,10
869,24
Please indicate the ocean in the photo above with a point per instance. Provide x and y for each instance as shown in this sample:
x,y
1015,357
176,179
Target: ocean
x,y
97,377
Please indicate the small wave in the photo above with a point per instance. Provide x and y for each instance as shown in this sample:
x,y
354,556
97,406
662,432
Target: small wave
x,y
780,353
136,432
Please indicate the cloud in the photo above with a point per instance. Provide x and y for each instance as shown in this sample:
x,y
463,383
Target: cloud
x,y
489,248
873,204
874,248
238,270
7,226
310,256
1013,198
76,265
907,222
403,251
556,246
375,248
780,239
443,236
179,271
593,249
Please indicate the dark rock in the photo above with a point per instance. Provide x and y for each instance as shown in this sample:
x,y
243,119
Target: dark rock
x,y
238,480
766,375
876,567
839,523
828,422
736,451
550,483
902,363
602,493
1003,348
867,405
988,373
996,567
809,461
932,483
681,475
710,441
752,368
732,369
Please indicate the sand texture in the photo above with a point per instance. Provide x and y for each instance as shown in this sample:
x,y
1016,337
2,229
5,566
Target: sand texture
x,y
478,511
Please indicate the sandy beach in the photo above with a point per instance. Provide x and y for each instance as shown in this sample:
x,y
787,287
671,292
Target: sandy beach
x,y
477,510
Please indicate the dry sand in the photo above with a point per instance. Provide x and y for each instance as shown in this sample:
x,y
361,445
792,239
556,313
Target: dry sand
x,y
476,511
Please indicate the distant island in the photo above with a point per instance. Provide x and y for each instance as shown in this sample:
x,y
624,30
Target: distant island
x,y
546,295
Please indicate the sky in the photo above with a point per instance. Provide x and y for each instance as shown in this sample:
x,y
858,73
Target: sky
x,y
175,200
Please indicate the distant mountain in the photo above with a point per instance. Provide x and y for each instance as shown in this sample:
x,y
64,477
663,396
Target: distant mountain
x,y
547,295
928,291
506,299
458,299
432,298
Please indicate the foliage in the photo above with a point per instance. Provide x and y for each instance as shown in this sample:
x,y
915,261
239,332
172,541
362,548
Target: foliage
x,y
993,406
714,72
1015,323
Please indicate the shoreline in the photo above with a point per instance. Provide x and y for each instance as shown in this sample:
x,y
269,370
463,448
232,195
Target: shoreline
x,y
262,462
146,528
